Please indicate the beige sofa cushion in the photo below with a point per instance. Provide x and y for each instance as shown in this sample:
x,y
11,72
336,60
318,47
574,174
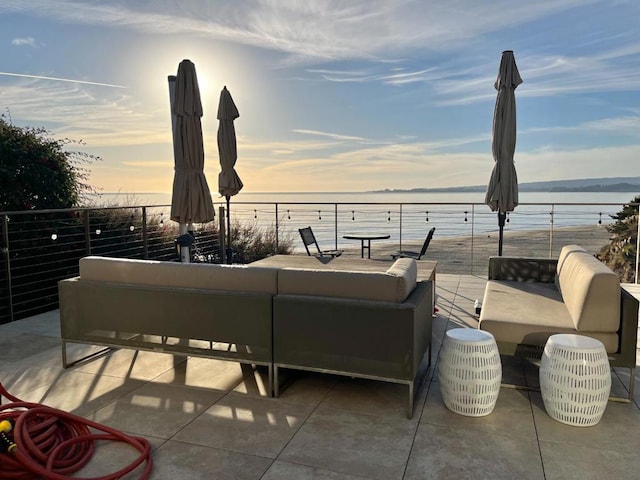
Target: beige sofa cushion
x,y
591,293
528,313
406,272
232,278
394,285
566,251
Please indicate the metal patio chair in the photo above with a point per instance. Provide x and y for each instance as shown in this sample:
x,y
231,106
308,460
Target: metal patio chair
x,y
416,255
308,238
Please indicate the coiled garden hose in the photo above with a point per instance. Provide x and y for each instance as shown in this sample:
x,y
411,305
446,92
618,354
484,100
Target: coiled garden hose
x,y
37,441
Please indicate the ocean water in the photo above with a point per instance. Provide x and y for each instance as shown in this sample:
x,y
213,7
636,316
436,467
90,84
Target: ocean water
x,y
402,215
142,198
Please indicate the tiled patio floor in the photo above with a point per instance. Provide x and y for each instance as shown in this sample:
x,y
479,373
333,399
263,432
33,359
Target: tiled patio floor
x,y
209,419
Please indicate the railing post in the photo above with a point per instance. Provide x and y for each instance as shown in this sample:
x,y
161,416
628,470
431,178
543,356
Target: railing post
x,y
277,228
551,232
335,223
145,240
473,222
400,228
87,233
637,244
5,251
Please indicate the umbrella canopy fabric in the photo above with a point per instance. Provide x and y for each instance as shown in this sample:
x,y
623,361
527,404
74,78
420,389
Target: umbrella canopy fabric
x,y
502,192
191,199
229,182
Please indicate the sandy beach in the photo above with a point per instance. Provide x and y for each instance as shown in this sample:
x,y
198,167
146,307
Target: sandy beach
x,y
469,255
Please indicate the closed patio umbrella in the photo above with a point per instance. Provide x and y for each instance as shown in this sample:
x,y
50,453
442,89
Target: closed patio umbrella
x,y
229,182
502,192
191,199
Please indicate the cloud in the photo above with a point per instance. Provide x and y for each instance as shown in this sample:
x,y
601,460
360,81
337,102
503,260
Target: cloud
x,y
335,136
628,126
21,41
329,30
546,164
324,32
109,119
57,79
393,78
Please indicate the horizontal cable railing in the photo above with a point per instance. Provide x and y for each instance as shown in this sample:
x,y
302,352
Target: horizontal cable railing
x,y
39,248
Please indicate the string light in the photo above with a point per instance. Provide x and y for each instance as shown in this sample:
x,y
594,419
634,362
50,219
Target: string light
x,y
288,215
427,214
465,215
319,215
353,215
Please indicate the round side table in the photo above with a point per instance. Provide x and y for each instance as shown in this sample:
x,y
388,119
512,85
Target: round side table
x,y
575,379
470,371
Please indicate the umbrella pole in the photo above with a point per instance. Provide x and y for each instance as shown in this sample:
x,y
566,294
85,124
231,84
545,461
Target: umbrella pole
x,y
501,219
229,251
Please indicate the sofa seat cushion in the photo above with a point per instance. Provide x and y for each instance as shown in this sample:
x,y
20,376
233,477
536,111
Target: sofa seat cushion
x,y
528,313
591,292
394,285
232,278
522,304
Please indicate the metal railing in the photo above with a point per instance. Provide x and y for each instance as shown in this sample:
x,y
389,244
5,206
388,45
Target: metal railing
x,y
39,248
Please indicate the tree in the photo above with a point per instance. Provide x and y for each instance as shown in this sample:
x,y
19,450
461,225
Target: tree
x,y
37,172
620,254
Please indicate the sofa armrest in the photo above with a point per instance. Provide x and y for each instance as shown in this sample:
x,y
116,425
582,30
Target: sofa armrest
x,y
628,333
518,269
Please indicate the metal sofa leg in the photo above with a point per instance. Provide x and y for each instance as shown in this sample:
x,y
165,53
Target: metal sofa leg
x,y
270,381
411,400
276,381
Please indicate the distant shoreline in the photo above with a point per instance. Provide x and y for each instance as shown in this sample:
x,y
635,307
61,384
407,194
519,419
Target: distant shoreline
x,y
584,185
615,188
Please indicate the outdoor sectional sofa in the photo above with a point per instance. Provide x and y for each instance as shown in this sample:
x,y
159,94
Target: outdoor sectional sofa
x,y
528,299
361,324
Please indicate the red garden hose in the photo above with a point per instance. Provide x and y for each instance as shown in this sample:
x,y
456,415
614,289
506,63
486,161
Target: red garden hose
x,y
37,441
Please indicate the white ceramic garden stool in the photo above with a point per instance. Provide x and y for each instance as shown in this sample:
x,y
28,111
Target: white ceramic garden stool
x,y
575,379
470,371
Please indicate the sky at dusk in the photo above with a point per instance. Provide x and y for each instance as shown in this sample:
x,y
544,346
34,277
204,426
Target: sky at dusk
x,y
333,95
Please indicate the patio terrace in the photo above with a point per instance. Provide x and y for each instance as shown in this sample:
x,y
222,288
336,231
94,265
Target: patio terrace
x,y
212,419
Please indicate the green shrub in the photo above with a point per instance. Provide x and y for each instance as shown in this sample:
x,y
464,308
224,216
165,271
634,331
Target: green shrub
x,y
620,254
250,242
37,172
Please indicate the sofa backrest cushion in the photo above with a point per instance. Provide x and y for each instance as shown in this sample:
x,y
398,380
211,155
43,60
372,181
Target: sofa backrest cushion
x,y
232,278
406,272
566,251
591,293
394,285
